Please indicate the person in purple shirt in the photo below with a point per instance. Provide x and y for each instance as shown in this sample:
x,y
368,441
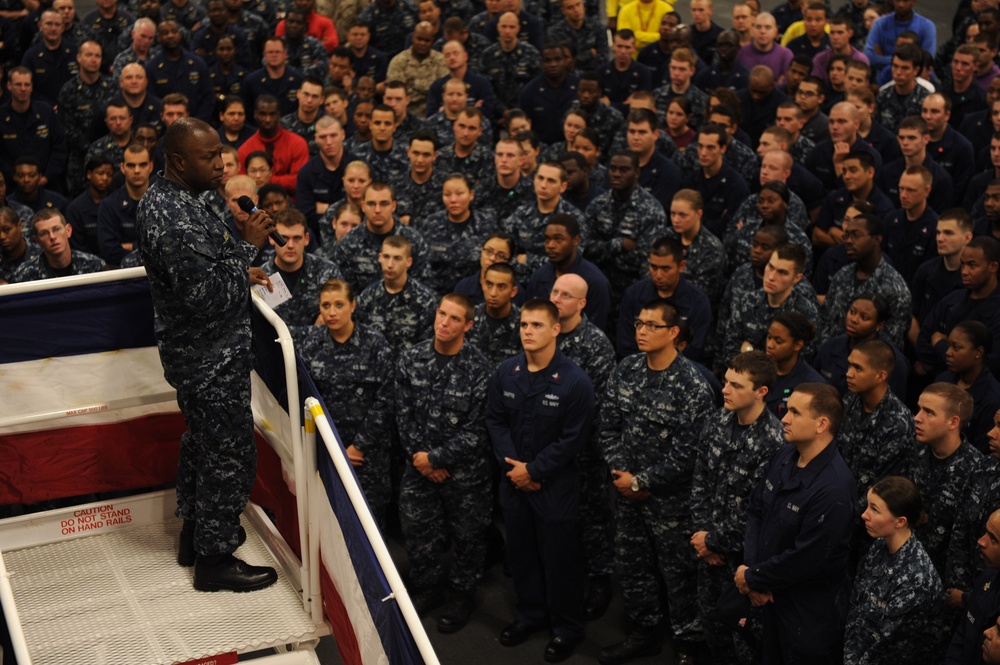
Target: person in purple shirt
x,y
841,34
764,50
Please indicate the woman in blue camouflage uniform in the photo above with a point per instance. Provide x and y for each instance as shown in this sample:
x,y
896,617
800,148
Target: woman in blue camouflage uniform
x,y
454,235
895,615
351,365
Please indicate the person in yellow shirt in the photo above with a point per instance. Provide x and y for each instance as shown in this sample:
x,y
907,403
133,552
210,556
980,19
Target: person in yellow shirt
x,y
643,18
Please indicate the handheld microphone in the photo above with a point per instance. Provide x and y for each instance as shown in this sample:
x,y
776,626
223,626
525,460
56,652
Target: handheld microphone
x,y
246,205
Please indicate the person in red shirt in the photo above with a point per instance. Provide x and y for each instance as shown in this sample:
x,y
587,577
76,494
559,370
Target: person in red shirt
x,y
288,151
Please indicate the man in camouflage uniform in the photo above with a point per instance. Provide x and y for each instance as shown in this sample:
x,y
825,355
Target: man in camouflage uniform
x,y
56,258
877,437
80,100
302,121
497,320
945,468
384,153
501,195
981,495
357,252
587,346
118,119
586,33
510,63
466,154
751,317
399,307
15,248
621,225
527,224
736,442
305,52
445,490
418,190
390,22
303,273
655,410
199,277
867,272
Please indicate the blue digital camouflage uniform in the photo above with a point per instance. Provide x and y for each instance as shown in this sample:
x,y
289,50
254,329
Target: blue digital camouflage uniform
x,y
608,221
307,131
198,275
608,122
743,283
747,220
980,498
752,315
730,463
477,165
356,382
543,420
890,108
896,608
590,41
509,71
386,165
439,410
943,485
443,128
845,287
405,130
588,347
705,263
416,200
453,248
650,426
81,264
9,265
303,308
357,254
108,147
877,444
308,56
405,318
500,203
698,98
389,25
527,226
79,105
496,339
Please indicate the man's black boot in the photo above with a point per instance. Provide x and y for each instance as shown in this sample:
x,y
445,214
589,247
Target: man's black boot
x,y
224,572
457,612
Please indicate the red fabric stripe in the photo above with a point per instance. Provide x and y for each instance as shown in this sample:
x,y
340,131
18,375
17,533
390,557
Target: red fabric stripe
x,y
52,464
336,613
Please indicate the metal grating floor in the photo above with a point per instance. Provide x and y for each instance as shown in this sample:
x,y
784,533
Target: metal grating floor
x,y
121,598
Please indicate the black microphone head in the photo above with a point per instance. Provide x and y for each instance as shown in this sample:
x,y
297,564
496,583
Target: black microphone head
x,y
246,204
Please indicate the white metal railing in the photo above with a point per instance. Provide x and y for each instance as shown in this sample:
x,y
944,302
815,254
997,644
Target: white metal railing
x,y
370,526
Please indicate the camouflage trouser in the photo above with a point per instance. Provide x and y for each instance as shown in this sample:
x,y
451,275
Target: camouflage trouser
x,y
651,547
218,459
375,480
726,646
431,514
596,517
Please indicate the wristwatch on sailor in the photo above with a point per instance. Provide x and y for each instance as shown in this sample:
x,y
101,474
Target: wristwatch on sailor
x,y
635,483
